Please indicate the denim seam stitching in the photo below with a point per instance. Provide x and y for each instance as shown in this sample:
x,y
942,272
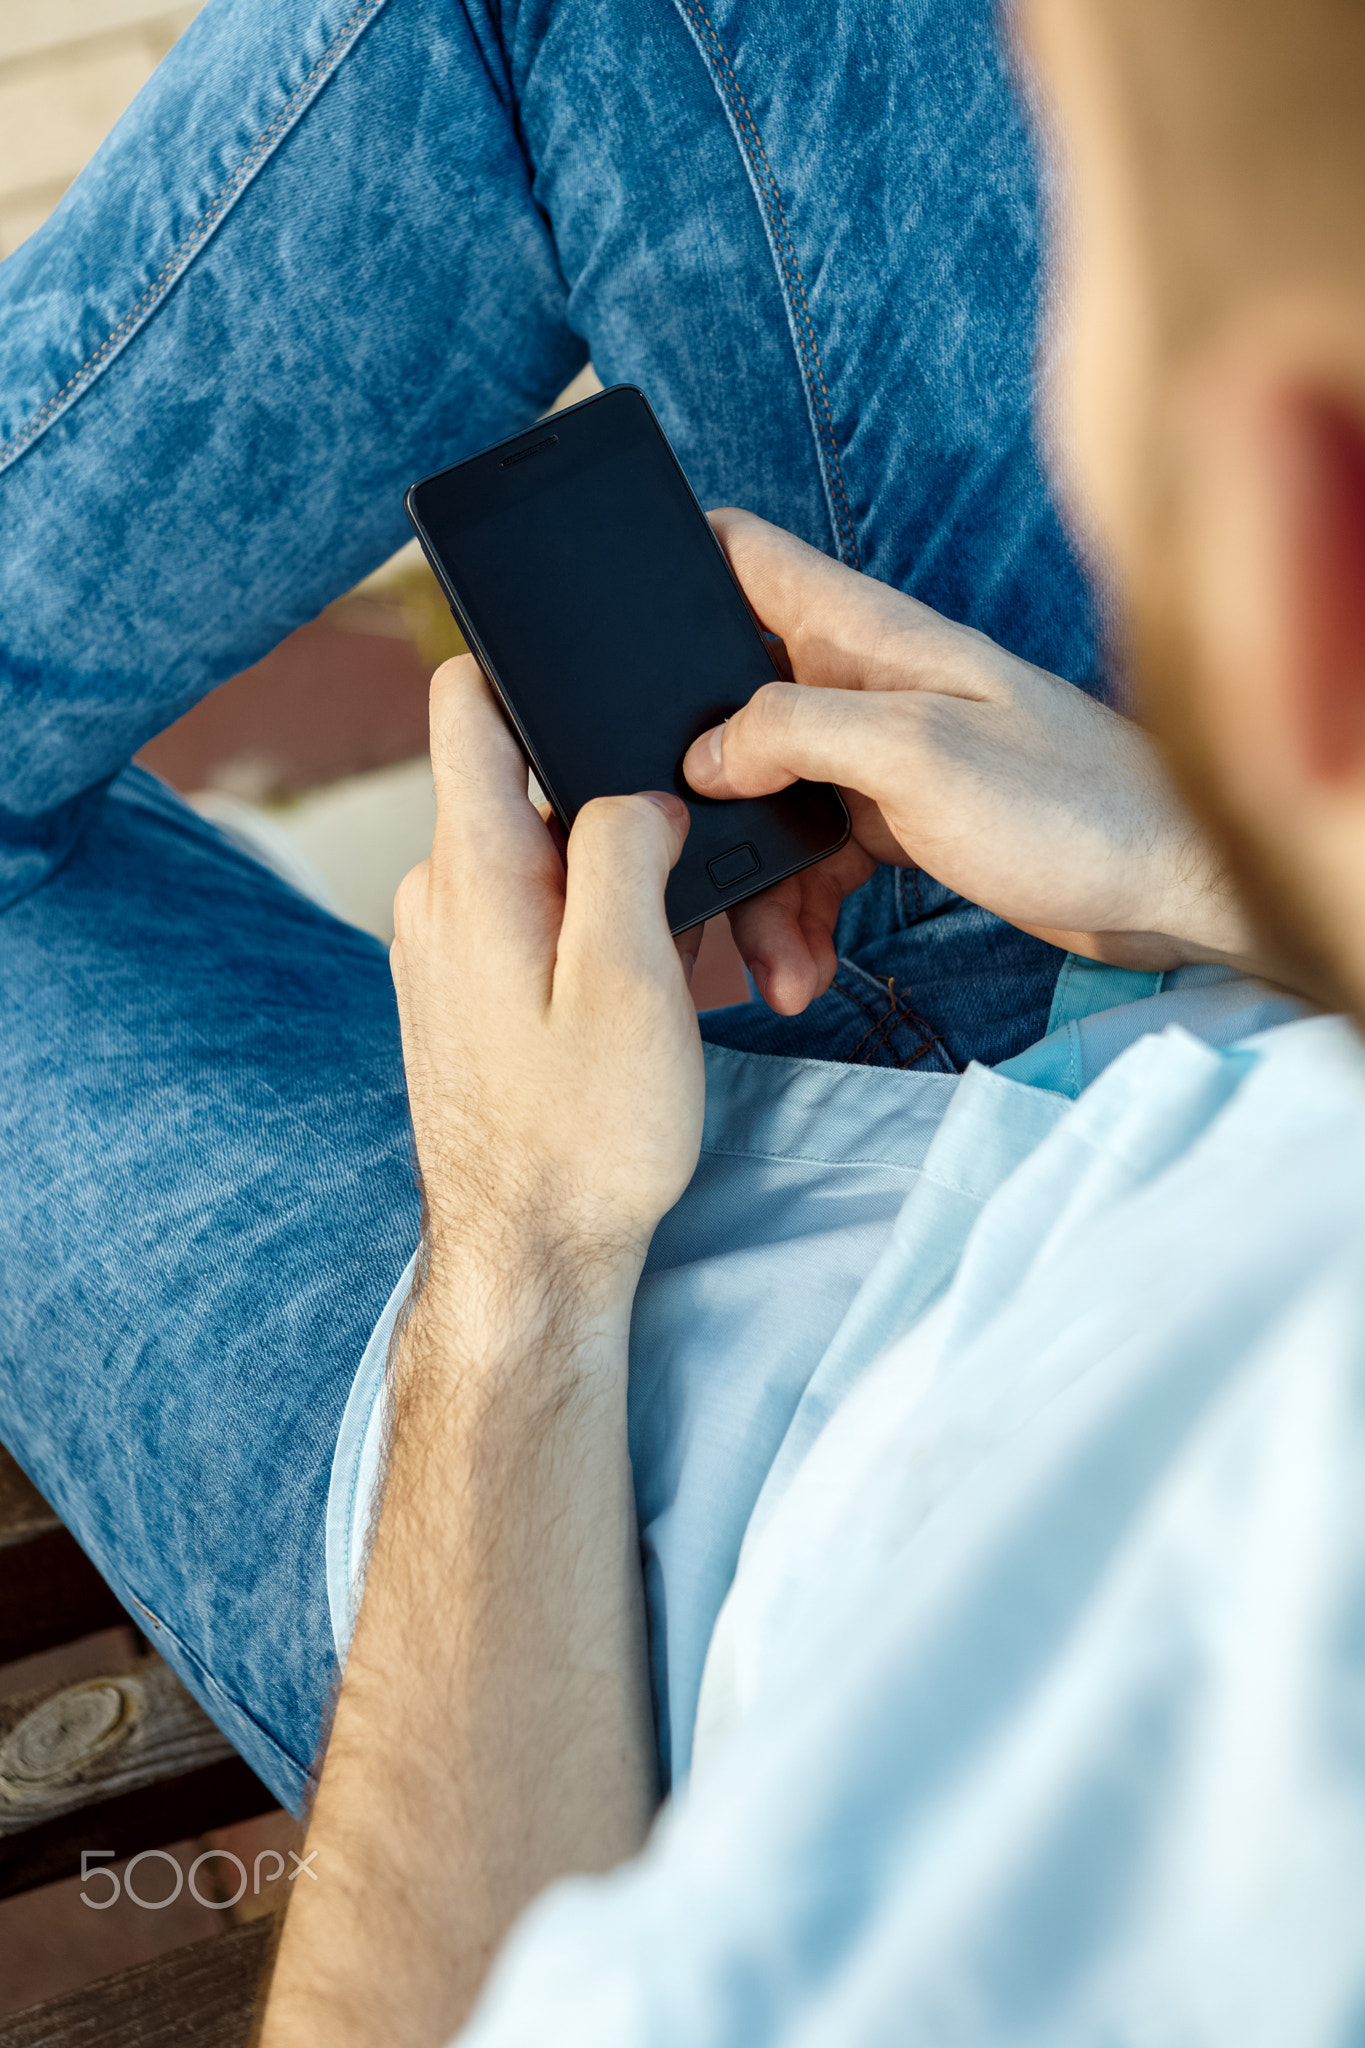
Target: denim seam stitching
x,y
883,1026
212,1683
133,320
787,260
879,1025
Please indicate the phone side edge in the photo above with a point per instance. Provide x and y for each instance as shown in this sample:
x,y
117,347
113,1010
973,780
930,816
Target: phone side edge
x,y
478,650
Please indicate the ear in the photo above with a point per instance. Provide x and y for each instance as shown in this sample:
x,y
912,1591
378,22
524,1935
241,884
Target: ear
x,y
1316,449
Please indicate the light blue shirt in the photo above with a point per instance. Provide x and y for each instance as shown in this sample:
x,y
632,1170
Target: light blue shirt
x,y
998,1451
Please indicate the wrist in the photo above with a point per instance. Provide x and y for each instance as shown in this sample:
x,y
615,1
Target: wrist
x,y
501,1306
509,1224
515,1268
1199,909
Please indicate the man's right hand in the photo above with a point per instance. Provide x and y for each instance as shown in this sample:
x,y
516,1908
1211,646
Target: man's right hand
x,y
1005,783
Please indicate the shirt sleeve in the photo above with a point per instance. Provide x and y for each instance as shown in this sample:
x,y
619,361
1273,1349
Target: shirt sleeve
x,y
1082,1760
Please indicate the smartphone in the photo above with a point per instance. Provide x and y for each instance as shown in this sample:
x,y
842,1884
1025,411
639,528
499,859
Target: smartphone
x,y
586,578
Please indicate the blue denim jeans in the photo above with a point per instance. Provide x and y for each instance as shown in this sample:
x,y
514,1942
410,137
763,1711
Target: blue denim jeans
x,y
333,245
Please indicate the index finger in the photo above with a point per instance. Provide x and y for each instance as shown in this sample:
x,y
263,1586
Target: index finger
x,y
483,811
492,854
781,576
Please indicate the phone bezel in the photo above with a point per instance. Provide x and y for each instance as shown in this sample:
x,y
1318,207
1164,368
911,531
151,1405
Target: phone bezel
x,y
738,893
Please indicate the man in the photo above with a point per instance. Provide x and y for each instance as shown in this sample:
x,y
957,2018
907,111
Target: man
x,y
1033,1711
208,1180
328,249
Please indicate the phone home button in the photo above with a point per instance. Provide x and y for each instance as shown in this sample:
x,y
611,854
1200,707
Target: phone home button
x,y
728,868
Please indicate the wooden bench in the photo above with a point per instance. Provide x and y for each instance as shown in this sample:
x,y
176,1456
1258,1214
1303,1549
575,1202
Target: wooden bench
x,y
119,1762
203,1994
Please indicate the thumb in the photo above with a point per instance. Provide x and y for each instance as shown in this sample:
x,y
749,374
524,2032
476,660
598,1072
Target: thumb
x,y
621,851
786,732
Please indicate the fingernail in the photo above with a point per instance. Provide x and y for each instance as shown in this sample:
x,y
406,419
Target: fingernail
x,y
674,805
704,755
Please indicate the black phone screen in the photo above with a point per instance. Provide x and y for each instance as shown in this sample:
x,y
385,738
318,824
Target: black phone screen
x,y
586,578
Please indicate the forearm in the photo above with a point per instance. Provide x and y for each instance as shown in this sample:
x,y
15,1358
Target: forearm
x,y
1151,952
1177,904
493,1731
1190,913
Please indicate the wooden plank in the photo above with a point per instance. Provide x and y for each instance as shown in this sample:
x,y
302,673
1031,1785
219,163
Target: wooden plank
x,y
203,1995
68,1746
51,1594
175,1810
131,1759
125,1762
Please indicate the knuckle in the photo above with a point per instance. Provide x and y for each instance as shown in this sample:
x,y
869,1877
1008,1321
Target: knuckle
x,y
454,671
408,902
614,814
772,704
772,710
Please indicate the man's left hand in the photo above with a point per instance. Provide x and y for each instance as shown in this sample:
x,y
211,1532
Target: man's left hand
x,y
554,1065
